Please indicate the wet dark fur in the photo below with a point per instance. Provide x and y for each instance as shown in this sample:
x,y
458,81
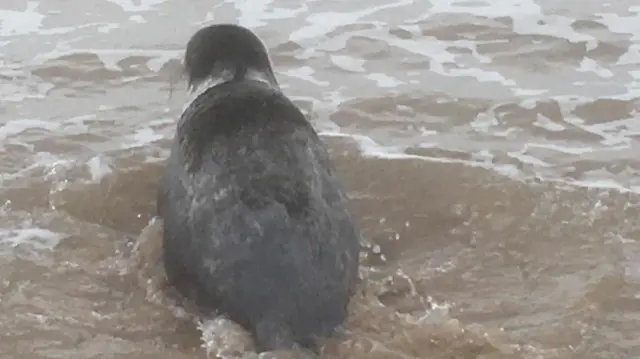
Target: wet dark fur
x,y
256,225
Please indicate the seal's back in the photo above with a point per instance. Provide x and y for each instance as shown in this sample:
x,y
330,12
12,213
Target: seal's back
x,y
256,225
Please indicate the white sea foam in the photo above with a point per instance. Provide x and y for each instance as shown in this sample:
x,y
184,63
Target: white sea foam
x,y
15,23
98,168
224,338
111,57
16,127
306,73
348,63
384,80
18,91
546,123
528,17
321,23
137,5
444,70
37,238
258,12
141,137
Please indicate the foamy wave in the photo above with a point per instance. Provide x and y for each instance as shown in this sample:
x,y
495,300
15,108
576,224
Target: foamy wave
x,y
483,159
99,167
110,58
37,238
142,137
224,339
324,22
136,6
254,13
15,23
16,127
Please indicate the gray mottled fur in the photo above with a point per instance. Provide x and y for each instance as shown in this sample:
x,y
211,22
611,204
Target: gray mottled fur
x,y
256,225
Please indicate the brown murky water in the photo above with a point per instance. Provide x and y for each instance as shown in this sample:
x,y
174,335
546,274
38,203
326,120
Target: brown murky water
x,y
490,148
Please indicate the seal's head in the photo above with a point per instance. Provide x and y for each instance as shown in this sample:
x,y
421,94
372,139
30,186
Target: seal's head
x,y
225,52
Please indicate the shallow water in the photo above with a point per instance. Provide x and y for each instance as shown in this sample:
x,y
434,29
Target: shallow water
x,y
489,147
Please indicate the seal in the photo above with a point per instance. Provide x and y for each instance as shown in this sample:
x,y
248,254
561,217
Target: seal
x,y
256,223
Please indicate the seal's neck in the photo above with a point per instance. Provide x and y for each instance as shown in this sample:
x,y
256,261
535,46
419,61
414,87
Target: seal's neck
x,y
219,77
226,75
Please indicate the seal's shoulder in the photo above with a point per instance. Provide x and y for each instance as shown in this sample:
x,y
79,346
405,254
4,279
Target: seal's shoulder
x,y
226,109
243,117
